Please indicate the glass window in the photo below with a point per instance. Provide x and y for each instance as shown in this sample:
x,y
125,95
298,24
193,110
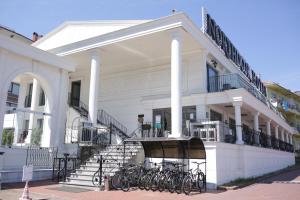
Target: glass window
x,y
212,79
42,98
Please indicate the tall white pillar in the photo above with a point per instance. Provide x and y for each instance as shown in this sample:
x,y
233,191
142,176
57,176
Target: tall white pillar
x,y
201,112
238,121
276,132
94,86
268,125
19,115
33,107
282,135
176,85
256,121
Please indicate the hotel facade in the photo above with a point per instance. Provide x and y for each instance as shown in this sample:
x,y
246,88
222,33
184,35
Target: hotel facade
x,y
167,76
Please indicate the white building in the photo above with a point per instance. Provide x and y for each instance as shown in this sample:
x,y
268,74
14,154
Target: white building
x,y
169,70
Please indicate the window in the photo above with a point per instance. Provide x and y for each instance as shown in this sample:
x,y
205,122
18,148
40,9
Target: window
x,y
28,96
14,88
13,95
212,79
42,98
215,116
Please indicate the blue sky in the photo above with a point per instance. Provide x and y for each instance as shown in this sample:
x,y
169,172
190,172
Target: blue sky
x,y
266,32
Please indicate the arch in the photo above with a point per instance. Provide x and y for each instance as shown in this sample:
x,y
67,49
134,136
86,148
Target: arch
x,y
52,79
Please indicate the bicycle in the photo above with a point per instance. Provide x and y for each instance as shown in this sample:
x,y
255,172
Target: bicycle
x,y
194,179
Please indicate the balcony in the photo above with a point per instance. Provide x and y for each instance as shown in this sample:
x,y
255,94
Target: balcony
x,y
233,81
217,131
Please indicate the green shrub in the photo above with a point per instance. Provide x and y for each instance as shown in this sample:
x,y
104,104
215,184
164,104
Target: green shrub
x,y
7,137
36,136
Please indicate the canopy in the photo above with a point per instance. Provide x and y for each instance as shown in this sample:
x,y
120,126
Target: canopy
x,y
182,148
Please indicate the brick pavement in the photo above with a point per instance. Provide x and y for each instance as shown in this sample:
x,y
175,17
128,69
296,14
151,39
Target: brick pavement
x,y
285,186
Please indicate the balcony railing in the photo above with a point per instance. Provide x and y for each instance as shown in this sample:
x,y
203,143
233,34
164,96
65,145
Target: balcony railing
x,y
233,81
217,131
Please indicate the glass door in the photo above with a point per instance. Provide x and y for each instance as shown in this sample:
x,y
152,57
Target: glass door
x,y
162,121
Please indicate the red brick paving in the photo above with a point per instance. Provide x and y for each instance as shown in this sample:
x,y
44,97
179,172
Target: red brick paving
x,y
276,188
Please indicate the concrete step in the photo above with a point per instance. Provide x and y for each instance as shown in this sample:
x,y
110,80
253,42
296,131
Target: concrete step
x,y
74,181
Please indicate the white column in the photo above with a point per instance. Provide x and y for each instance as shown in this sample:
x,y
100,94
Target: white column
x,y
176,84
19,115
268,125
33,106
94,86
238,121
201,111
256,121
282,134
276,132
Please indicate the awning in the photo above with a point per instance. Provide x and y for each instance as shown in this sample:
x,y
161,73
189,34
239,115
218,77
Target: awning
x,y
181,148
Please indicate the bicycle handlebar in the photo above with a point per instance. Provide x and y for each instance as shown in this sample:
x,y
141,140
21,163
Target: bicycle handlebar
x,y
199,163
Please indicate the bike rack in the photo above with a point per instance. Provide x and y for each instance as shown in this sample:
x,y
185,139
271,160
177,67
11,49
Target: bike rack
x,y
189,147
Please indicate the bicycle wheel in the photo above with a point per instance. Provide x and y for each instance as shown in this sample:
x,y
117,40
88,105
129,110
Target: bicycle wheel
x,y
96,179
161,183
154,182
171,183
147,182
178,184
141,183
115,181
124,182
187,185
201,181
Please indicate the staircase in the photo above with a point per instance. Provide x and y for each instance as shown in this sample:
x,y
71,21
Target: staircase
x,y
112,157
112,154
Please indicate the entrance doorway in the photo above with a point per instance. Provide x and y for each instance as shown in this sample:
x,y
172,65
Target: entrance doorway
x,y
162,120
75,93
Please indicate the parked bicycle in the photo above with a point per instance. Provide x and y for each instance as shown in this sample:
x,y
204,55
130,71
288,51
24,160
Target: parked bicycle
x,y
194,179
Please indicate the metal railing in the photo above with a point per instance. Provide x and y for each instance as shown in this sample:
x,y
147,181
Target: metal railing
x,y
41,157
106,119
63,166
95,136
88,135
257,138
233,81
217,131
211,131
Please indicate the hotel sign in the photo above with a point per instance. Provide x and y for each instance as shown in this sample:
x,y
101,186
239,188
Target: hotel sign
x,y
217,35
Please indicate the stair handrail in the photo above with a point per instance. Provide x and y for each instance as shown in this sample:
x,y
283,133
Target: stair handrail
x,y
106,119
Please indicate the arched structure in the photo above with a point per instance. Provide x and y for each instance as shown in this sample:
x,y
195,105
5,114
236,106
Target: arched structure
x,y
51,71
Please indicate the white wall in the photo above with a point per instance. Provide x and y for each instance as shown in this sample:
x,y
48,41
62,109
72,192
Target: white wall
x,y
124,93
227,162
11,166
53,79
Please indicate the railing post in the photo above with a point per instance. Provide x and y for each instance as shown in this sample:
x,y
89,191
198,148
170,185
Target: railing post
x,y
110,132
58,174
100,171
65,166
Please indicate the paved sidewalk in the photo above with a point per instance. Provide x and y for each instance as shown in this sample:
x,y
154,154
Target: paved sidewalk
x,y
285,186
